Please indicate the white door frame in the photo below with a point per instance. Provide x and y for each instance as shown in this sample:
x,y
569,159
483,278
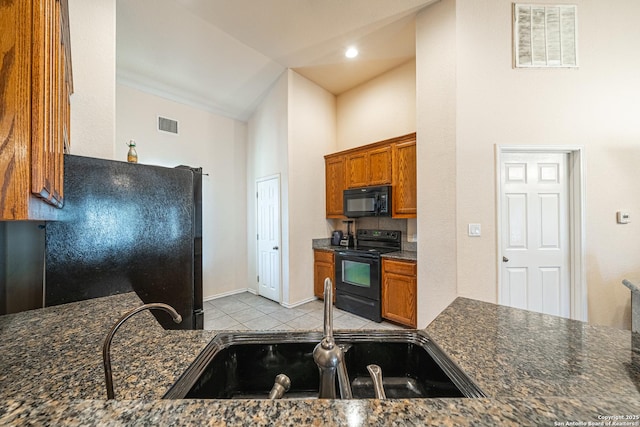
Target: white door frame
x,y
258,180
577,223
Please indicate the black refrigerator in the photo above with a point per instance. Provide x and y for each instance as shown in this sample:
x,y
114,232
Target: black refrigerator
x,y
128,227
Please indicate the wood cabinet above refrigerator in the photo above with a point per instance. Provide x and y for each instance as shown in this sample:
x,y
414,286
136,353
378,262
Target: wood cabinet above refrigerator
x,y
35,89
392,161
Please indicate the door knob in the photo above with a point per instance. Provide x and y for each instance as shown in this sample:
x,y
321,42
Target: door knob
x,y
505,259
275,248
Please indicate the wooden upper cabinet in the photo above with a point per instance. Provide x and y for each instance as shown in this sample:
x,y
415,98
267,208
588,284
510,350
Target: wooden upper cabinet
x,y
356,165
335,185
369,167
379,163
405,195
36,84
389,162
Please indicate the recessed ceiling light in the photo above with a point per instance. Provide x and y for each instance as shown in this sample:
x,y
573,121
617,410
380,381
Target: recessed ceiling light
x,y
352,52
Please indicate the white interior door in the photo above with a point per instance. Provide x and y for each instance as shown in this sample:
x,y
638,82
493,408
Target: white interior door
x,y
268,228
535,232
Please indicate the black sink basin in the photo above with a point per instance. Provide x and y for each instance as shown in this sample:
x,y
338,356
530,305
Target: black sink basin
x,y
244,366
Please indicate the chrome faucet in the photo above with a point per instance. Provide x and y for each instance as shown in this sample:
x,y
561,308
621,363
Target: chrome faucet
x,y
329,356
107,342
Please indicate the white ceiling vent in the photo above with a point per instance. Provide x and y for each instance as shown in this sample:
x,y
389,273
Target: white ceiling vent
x,y
167,125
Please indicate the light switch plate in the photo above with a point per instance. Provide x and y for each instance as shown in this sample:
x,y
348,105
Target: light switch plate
x,y
475,230
623,217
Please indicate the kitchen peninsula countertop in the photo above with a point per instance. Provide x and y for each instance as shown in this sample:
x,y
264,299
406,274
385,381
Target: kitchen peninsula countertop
x,y
536,370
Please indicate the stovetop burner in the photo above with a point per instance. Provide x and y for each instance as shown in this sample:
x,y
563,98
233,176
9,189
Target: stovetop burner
x,y
377,241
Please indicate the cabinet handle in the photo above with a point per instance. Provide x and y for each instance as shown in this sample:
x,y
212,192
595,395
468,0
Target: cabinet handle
x,y
275,248
505,259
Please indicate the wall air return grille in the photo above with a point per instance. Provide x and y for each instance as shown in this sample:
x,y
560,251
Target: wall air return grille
x,y
545,36
167,125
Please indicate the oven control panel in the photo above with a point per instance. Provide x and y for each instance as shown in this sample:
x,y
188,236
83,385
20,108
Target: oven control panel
x,y
379,235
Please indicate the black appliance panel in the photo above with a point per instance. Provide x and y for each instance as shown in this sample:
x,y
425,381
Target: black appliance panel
x,y
358,273
124,227
364,307
358,288
367,201
198,310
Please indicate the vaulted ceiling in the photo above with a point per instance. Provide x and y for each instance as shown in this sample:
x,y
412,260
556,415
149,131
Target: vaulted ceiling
x,y
223,55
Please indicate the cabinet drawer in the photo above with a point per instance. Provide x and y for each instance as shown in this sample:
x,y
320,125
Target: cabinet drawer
x,y
407,268
323,256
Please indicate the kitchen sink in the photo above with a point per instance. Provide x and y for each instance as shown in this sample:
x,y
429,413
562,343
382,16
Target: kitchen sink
x,y
245,365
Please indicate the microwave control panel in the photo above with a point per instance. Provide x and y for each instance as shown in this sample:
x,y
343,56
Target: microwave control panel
x,y
383,203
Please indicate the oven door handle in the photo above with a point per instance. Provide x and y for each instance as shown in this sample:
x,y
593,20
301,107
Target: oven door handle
x,y
358,256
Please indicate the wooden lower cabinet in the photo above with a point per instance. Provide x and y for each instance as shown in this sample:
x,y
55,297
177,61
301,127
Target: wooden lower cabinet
x,y
399,291
323,267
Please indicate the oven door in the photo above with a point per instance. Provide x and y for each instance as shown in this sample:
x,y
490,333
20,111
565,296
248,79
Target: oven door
x,y
358,274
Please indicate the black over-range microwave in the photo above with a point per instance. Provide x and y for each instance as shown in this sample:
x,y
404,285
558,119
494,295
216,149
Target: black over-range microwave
x,y
367,201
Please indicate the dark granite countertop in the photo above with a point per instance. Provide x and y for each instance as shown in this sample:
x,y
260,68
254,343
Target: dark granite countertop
x,y
325,245
402,255
536,370
56,352
518,353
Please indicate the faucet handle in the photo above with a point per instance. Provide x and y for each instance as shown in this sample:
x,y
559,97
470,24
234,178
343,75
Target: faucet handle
x,y
280,386
376,376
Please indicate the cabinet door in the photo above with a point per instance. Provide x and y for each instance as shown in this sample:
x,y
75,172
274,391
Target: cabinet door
x,y
15,113
334,182
357,170
323,267
34,107
405,198
379,166
399,292
50,99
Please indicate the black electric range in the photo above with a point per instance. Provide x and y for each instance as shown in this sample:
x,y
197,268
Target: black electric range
x,y
358,272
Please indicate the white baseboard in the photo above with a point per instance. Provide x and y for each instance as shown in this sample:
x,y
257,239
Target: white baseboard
x,y
254,292
228,294
294,305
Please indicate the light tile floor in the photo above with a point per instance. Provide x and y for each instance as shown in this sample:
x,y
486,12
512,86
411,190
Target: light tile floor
x,y
249,312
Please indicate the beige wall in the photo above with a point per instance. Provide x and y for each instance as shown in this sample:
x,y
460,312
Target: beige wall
x,y
267,155
436,157
379,109
218,145
93,55
382,108
288,134
595,106
312,130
